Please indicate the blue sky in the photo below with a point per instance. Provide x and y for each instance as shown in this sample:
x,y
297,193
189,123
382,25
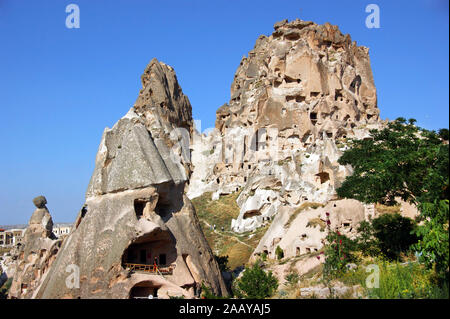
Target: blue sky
x,y
60,87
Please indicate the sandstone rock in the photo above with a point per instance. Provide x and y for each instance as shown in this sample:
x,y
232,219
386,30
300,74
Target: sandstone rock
x,y
40,201
297,98
35,255
300,232
136,210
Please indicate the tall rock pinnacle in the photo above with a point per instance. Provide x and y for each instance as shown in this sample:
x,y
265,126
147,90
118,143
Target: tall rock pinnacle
x,y
138,234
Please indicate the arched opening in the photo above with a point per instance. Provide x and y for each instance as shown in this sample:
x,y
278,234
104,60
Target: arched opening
x,y
338,95
251,213
144,290
23,288
313,117
139,205
154,249
42,253
324,177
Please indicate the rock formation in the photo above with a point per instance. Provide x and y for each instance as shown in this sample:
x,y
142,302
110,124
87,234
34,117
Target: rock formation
x,y
37,253
295,100
136,214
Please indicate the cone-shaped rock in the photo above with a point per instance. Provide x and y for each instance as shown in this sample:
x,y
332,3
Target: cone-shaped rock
x,y
136,215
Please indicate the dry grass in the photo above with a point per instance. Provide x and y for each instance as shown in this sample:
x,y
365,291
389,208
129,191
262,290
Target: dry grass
x,y
384,209
4,250
317,222
304,206
238,247
219,212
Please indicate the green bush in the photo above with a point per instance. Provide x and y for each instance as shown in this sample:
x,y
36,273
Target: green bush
x,y
264,256
366,241
207,293
339,251
292,278
394,234
223,262
5,288
255,283
279,252
412,281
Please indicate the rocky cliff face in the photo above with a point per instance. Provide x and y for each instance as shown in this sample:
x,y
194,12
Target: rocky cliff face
x,y
295,100
305,79
136,214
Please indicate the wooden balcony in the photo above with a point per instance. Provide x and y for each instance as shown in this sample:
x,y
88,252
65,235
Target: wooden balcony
x,y
164,270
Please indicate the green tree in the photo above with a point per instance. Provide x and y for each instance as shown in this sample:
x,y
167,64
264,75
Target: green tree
x,y
366,241
402,160
339,251
406,161
255,283
223,262
434,243
395,234
279,252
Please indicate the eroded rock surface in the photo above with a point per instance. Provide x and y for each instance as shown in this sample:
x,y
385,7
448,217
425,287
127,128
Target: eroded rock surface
x,y
136,213
36,255
295,100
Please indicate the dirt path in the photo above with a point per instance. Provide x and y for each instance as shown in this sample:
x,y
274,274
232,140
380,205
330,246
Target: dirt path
x,y
223,234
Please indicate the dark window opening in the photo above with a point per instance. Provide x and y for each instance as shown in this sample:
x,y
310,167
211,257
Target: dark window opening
x,y
289,79
338,95
356,83
290,98
156,247
143,290
300,98
139,205
324,177
251,213
313,117
83,211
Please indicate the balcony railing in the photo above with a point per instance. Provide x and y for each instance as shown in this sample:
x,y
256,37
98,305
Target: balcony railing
x,y
165,270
